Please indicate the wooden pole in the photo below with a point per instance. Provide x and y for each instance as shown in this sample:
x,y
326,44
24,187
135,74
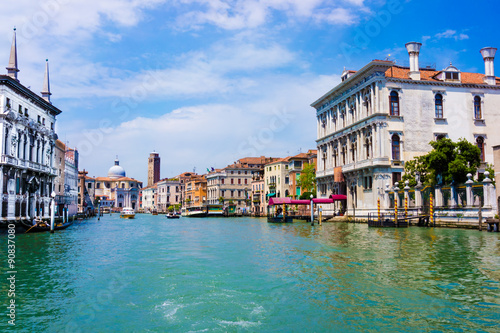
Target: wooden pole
x,y
378,208
406,207
395,208
431,209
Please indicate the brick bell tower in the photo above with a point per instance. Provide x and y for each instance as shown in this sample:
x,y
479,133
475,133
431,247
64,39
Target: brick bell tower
x,y
153,168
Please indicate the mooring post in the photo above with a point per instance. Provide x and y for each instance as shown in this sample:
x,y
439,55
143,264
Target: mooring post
x,y
431,209
378,208
395,210
52,211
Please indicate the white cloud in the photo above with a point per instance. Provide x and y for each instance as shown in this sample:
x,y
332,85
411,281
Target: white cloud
x,y
211,134
451,34
240,14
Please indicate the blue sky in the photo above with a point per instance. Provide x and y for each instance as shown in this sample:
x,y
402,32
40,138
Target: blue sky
x,y
205,82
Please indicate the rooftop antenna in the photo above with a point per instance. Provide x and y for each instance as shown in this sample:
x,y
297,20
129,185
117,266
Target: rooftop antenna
x,y
194,169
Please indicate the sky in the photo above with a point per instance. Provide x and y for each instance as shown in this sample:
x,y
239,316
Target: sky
x,y
207,82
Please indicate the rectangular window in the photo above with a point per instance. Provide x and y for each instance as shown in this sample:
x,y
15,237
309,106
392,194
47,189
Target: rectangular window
x,y
232,181
26,112
20,109
39,119
246,181
239,181
287,180
396,177
43,121
232,194
89,185
222,181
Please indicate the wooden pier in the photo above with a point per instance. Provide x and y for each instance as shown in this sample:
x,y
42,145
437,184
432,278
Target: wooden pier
x,y
389,221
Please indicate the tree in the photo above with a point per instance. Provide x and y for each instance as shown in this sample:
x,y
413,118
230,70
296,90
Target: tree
x,y
171,209
446,163
307,180
221,200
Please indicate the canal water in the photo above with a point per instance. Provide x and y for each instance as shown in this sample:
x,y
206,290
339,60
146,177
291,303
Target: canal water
x,y
153,274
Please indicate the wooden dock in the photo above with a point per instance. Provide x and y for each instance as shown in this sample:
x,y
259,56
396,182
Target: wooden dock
x,y
388,221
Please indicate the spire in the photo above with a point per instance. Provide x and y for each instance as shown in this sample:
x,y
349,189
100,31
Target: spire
x,y
12,68
46,84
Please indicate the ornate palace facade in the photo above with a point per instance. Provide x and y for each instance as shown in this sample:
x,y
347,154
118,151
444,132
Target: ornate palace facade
x,y
384,114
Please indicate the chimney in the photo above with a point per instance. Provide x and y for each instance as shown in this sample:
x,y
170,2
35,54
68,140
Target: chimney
x,y
413,49
488,54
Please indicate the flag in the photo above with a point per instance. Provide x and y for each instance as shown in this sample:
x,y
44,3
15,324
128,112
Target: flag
x,y
208,170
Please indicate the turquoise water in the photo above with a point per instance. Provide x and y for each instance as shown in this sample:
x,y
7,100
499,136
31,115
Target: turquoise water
x,y
153,274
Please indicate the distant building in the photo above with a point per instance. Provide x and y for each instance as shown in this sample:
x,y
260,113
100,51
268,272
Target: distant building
x,y
149,198
169,193
153,168
119,188
28,141
196,191
295,168
385,114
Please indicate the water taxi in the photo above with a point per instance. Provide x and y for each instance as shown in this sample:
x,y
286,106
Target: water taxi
x,y
194,211
127,213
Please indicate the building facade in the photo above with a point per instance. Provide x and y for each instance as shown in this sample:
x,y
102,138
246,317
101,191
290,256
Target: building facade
x,y
119,188
383,115
28,139
149,198
196,191
169,193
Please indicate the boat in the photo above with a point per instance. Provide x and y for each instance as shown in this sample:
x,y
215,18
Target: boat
x,y
43,226
194,211
154,212
172,216
127,213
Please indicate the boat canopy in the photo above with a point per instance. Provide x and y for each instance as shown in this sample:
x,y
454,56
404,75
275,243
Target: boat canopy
x,y
288,201
271,195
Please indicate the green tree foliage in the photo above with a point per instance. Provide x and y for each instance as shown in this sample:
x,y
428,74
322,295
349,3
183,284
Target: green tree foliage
x,y
307,180
221,200
171,209
447,162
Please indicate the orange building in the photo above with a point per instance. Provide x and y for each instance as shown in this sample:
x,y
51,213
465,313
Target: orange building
x,y
196,191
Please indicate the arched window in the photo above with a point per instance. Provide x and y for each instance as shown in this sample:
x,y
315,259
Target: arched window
x,y
396,153
394,103
438,102
480,145
477,108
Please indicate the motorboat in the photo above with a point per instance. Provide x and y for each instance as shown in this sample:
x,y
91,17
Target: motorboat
x,y
127,213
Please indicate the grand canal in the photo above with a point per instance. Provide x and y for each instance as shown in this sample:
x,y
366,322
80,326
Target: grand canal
x,y
152,274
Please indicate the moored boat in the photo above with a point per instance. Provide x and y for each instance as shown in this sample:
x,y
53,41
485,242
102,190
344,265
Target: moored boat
x,y
194,211
172,216
127,213
43,226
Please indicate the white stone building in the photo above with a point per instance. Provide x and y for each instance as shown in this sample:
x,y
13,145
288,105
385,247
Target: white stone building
x,y
27,123
119,188
233,183
169,193
384,114
149,200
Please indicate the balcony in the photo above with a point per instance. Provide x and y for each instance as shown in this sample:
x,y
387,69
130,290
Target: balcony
x,y
28,164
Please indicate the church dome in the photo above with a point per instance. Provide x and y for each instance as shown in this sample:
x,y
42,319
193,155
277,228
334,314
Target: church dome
x,y
116,171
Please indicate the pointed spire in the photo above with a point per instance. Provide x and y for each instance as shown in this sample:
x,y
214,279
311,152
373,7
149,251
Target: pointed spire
x,y
46,84
12,68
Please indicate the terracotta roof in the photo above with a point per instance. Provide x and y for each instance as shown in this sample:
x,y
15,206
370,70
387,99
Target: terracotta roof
x,y
430,75
256,160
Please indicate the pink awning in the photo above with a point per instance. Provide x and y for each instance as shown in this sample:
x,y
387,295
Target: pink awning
x,y
279,201
338,197
322,200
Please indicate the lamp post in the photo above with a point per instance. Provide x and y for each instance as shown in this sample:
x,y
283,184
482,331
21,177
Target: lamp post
x,y
52,211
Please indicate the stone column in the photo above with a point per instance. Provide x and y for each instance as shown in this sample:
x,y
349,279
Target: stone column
x,y
372,98
438,195
407,191
453,196
418,196
387,202
468,191
487,190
